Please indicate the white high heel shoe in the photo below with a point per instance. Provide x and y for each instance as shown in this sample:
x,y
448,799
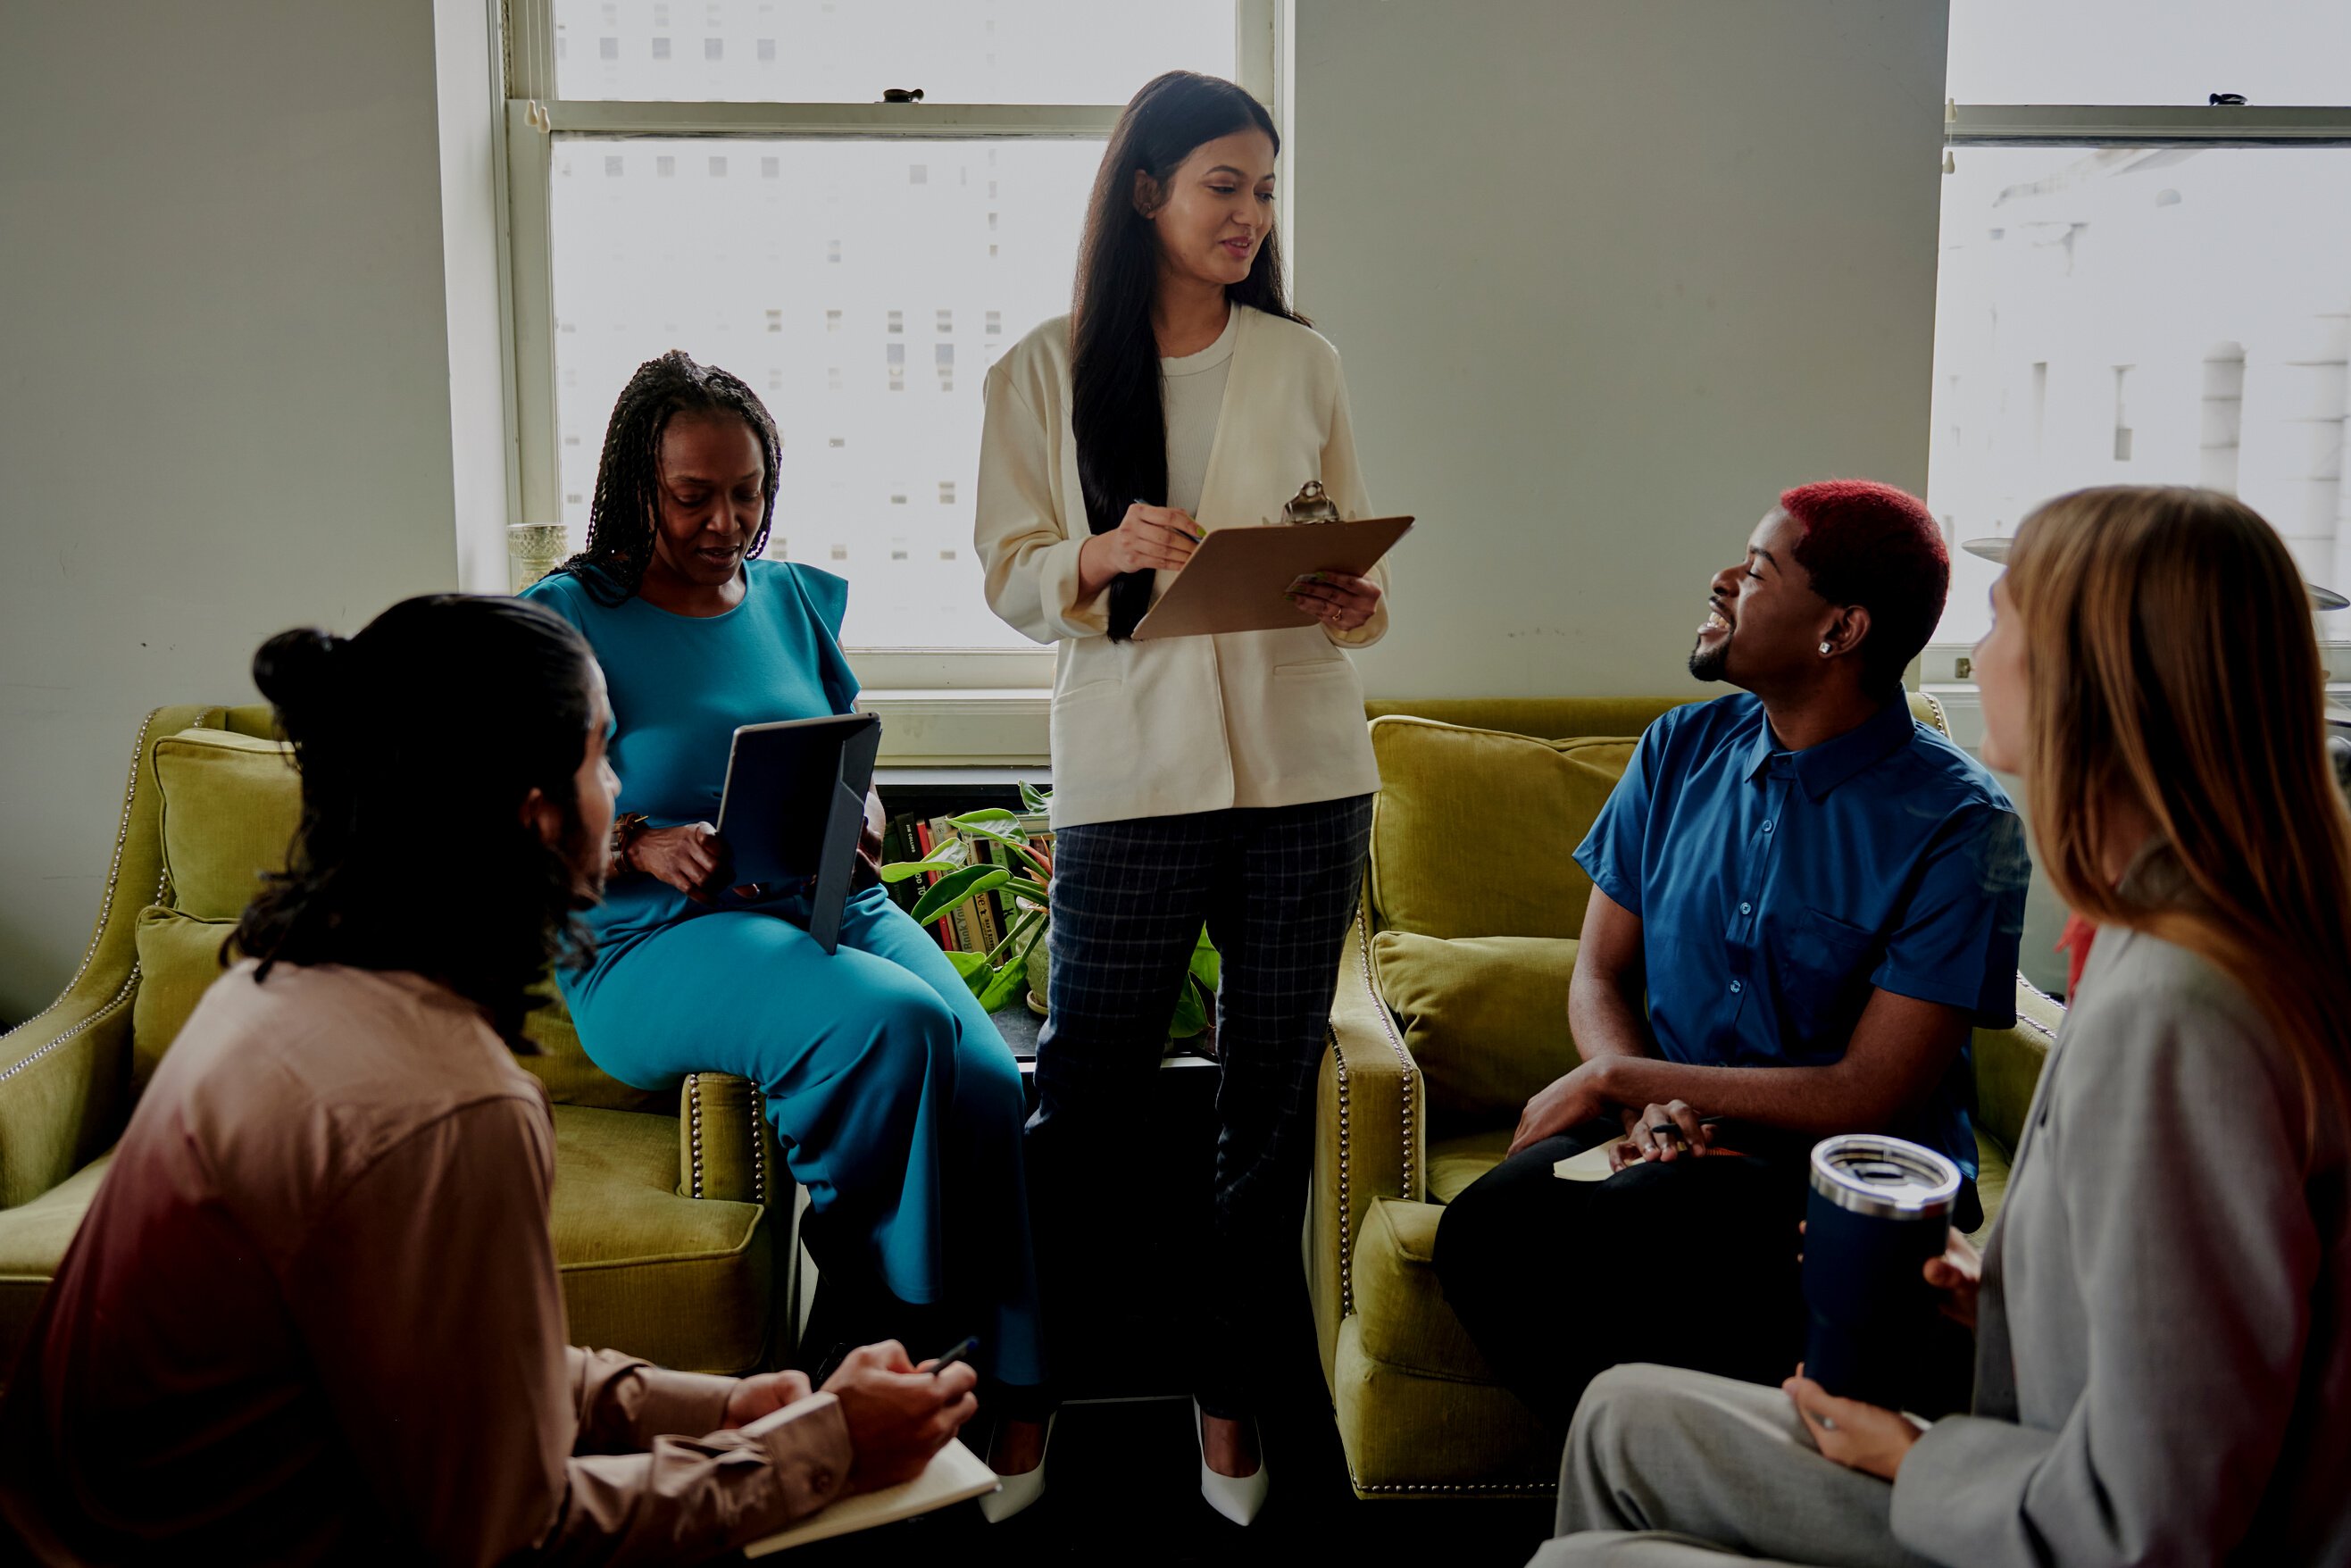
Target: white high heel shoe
x,y
1014,1493
1238,1498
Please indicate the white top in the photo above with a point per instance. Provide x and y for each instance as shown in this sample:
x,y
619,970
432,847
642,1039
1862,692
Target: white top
x,y
1180,723
1192,392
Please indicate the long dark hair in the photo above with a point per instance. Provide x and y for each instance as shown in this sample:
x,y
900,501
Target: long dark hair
x,y
1116,412
625,513
419,740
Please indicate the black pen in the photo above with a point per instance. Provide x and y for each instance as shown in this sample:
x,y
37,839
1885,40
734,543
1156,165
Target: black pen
x,y
1196,538
951,1357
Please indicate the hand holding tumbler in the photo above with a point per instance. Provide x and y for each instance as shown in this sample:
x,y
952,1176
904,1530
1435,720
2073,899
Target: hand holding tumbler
x,y
1880,1207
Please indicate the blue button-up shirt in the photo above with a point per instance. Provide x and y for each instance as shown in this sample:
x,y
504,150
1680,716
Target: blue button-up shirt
x,y
1777,889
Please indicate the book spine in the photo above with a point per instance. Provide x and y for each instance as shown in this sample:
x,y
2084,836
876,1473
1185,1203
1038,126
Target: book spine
x,y
939,928
965,931
985,909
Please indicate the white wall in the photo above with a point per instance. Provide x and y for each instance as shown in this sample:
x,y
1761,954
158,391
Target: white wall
x,y
226,407
1608,274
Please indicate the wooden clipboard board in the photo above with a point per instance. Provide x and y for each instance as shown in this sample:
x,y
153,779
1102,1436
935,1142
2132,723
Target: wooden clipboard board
x,y
1236,581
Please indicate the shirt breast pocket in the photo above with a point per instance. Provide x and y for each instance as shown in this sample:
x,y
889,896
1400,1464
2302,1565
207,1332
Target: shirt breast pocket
x,y
1824,975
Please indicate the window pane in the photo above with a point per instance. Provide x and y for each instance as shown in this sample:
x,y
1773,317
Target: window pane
x,y
2274,52
2132,316
808,280
848,51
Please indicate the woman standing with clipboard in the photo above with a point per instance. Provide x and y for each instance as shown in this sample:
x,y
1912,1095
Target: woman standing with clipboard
x,y
1225,778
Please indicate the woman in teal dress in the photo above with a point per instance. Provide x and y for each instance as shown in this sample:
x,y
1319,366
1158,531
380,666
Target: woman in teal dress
x,y
897,1103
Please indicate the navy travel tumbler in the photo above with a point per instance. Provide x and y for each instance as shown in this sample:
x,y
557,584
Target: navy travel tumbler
x,y
1880,1207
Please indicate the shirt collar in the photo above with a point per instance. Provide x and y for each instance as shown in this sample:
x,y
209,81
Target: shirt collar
x,y
1821,769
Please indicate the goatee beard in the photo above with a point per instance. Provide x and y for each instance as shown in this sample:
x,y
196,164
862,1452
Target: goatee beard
x,y
1707,663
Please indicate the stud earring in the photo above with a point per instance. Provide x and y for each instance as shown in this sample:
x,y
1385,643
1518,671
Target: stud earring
x,y
1824,647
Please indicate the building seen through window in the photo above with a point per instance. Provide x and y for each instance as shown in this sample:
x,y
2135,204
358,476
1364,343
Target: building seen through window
x,y
2142,316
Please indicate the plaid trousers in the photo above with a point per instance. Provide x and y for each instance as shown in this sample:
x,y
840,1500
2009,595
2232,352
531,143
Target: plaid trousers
x,y
1276,887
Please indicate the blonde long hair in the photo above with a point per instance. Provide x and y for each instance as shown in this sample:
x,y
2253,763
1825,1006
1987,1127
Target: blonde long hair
x,y
2173,665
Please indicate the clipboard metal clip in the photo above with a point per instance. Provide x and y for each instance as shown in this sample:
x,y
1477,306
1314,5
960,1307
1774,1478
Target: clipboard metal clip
x,y
1310,505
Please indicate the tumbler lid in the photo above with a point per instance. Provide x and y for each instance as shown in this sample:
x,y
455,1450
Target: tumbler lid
x,y
1891,1178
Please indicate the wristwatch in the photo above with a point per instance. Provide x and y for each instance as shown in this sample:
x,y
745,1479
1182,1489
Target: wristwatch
x,y
627,829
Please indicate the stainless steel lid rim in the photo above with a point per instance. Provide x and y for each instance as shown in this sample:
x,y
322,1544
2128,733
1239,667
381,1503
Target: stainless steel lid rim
x,y
1892,1178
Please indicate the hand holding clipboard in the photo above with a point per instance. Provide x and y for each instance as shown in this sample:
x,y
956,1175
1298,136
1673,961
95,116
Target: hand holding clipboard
x,y
1239,580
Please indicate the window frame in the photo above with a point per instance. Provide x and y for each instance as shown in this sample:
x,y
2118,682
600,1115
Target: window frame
x,y
1945,668
940,689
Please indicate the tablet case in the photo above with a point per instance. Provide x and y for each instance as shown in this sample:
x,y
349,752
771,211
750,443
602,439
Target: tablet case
x,y
794,804
1237,580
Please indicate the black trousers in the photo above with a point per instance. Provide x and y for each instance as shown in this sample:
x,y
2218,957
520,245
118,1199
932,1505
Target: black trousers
x,y
1689,1263
1276,887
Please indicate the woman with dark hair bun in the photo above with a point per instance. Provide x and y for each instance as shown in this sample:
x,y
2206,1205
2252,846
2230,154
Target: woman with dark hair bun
x,y
312,1315
897,1104
1221,779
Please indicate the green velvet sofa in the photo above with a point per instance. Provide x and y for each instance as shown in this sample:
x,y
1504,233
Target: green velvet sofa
x,y
1451,1010
672,1210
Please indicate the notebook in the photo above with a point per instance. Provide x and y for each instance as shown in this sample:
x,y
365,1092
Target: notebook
x,y
954,1475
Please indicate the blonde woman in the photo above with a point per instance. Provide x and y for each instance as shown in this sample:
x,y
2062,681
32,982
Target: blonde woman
x,y
2163,1360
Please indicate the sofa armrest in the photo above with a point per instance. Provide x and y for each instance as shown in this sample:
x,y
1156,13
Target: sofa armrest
x,y
65,1073
726,1149
2008,1063
1368,1141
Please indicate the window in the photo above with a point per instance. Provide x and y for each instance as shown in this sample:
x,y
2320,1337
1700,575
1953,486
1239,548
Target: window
x,y
860,232
2139,287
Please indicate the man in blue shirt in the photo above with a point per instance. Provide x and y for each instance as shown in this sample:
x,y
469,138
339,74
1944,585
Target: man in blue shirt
x,y
1803,902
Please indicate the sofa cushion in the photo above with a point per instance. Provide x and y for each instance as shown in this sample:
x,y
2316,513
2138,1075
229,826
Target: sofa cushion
x,y
1406,1321
1484,1017
179,958
231,803
1452,1164
1473,829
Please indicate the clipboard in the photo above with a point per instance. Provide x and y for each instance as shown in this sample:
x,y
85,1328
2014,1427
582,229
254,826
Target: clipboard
x,y
793,806
1236,579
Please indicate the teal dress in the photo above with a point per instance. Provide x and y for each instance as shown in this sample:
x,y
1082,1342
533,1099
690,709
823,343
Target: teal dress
x,y
896,1102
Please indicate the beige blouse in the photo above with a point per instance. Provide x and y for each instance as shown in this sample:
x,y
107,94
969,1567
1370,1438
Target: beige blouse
x,y
1176,724
313,1317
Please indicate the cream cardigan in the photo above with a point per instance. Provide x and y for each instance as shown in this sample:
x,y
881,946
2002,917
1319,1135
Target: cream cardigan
x,y
1182,723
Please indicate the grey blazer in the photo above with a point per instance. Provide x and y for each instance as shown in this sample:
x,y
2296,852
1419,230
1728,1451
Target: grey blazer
x,y
2163,1359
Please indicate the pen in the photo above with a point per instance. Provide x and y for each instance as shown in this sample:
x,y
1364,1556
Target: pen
x,y
1196,538
951,1357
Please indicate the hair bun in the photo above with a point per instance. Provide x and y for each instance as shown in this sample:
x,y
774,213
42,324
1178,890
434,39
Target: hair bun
x,y
299,671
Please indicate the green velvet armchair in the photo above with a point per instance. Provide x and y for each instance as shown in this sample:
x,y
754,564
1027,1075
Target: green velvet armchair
x,y
1440,1030
672,1210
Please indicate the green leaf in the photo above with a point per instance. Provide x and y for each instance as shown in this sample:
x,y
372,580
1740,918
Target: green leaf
x,y
1004,987
1191,1014
1036,799
899,871
987,814
1019,846
1205,964
1034,892
955,887
967,965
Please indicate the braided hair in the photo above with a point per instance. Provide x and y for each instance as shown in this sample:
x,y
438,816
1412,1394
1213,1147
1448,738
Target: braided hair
x,y
625,514
511,690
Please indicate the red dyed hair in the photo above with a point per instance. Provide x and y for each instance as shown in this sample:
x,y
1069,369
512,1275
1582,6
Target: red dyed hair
x,y
1872,545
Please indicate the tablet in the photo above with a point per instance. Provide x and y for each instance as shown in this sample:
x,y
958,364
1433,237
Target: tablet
x,y
794,803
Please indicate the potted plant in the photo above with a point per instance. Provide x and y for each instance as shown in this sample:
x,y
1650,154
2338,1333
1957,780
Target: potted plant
x,y
1021,873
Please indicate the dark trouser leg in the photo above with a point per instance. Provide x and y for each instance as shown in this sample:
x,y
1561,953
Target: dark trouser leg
x,y
1280,933
1129,899
1691,1263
